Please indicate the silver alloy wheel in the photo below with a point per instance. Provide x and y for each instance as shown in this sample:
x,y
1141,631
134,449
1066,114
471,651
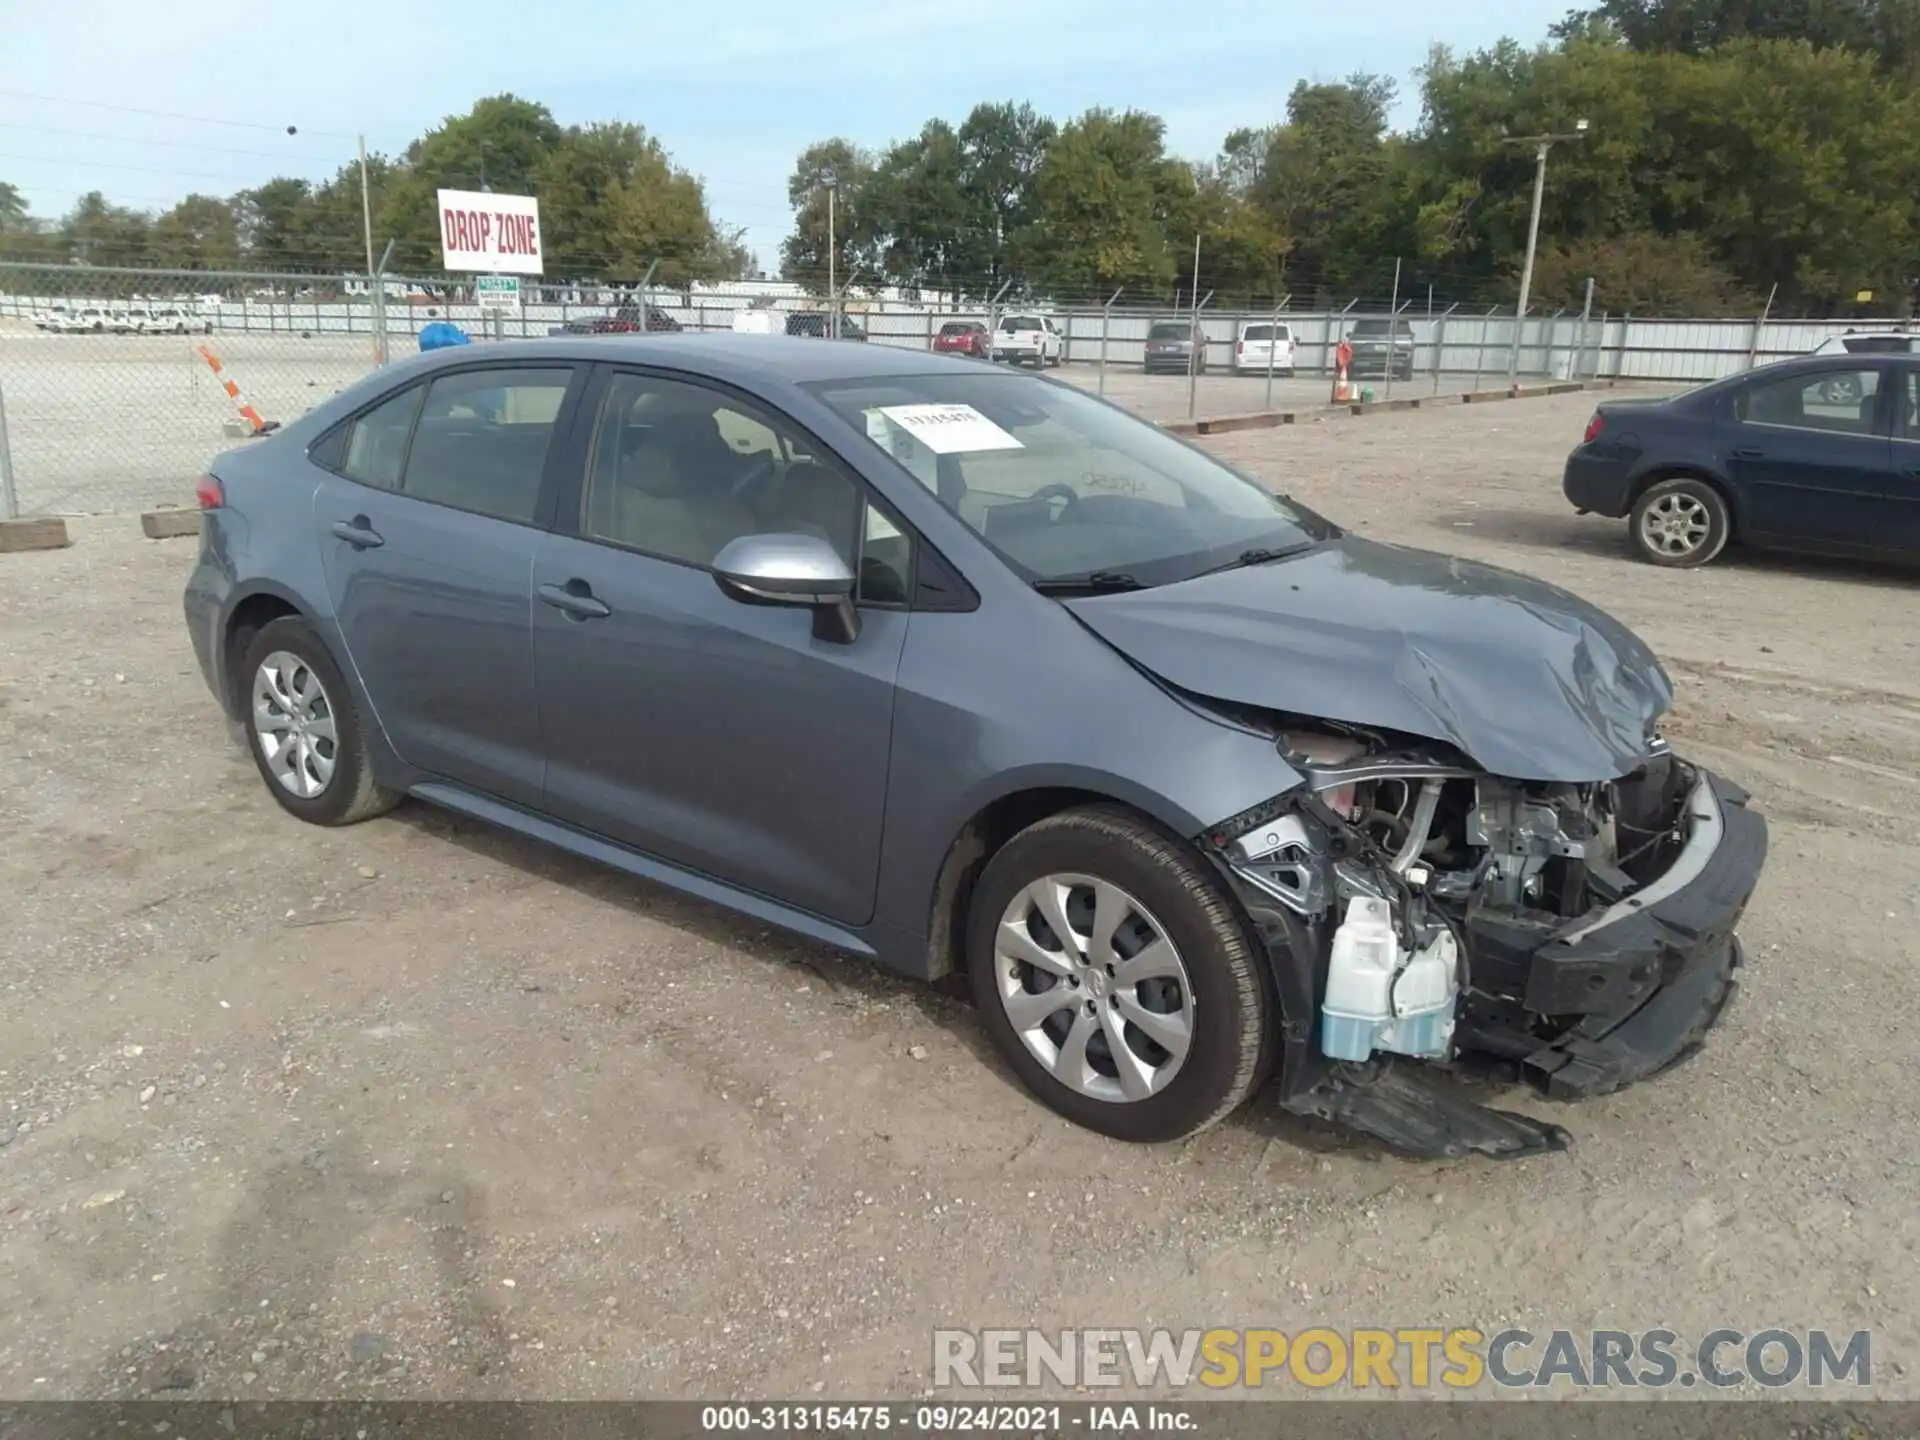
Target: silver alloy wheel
x,y
1676,524
293,721
1094,987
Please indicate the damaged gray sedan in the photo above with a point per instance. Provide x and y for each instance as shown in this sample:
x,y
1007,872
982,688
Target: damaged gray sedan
x,y
968,672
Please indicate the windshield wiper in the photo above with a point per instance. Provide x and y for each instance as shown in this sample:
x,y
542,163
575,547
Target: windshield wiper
x,y
1260,555
1095,580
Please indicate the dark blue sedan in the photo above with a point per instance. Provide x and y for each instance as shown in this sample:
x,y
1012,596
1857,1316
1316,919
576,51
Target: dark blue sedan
x,y
1820,455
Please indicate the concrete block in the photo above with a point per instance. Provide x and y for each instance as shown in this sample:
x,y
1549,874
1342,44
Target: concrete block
x,y
235,429
42,534
169,524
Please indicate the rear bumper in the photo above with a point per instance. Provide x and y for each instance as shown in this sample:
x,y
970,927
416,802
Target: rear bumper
x,y
1596,484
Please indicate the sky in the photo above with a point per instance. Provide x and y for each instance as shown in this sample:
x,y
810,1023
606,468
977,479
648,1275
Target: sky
x,y
148,103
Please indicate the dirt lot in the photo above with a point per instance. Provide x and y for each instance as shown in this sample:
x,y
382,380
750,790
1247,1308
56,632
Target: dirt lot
x,y
419,1109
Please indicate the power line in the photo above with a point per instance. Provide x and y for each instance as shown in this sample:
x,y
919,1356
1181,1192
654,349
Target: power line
x,y
164,114
171,144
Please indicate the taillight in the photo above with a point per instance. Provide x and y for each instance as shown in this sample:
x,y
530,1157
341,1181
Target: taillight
x,y
1594,427
210,493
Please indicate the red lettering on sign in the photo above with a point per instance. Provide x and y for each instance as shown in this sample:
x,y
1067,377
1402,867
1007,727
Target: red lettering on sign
x,y
446,230
506,233
463,230
484,222
533,235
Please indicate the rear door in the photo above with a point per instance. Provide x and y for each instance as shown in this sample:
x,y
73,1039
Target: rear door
x,y
428,527
1811,455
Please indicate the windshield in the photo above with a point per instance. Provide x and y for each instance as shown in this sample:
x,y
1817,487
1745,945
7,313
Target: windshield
x,y
956,327
1063,485
1381,327
1020,322
1169,330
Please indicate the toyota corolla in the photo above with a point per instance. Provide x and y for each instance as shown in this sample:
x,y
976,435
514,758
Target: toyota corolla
x,y
960,670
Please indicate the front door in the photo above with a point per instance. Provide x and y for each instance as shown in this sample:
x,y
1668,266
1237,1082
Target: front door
x,y
721,736
428,528
1810,455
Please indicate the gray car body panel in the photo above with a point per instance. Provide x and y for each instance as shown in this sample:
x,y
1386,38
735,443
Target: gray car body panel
x,y
1024,692
1529,681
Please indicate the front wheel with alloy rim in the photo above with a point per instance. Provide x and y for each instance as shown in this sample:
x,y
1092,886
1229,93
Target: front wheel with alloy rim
x,y
1115,977
1680,523
304,729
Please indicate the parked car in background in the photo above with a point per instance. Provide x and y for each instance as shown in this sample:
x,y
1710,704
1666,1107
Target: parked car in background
x,y
170,320
90,319
1175,345
1871,342
758,321
964,337
814,632
1264,345
1820,454
625,320
1023,338
134,321
821,326
52,318
1381,347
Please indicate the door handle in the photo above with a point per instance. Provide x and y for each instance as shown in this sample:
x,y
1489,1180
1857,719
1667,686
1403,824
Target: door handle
x,y
574,599
1749,452
359,533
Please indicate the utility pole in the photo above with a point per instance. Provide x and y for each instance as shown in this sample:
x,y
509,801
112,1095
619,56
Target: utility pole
x,y
366,204
1541,144
833,294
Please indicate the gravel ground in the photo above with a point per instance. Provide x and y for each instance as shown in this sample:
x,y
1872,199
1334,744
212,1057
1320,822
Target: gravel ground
x,y
421,1109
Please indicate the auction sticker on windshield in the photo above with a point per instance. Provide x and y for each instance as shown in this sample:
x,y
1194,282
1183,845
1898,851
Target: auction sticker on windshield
x,y
950,429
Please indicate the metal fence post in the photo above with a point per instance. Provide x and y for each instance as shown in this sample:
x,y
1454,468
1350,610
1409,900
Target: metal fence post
x,y
1106,325
1753,345
9,497
1440,345
1393,333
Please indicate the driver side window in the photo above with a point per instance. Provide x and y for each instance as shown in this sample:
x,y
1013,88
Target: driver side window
x,y
679,471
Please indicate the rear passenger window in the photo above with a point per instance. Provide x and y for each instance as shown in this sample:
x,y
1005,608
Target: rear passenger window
x,y
482,440
377,442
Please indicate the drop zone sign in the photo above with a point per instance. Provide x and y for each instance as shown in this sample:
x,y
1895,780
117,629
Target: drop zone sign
x,y
489,234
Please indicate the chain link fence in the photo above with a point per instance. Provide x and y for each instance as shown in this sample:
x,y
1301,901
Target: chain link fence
x,y
118,386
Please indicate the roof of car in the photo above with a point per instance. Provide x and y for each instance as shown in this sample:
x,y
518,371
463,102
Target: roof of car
x,y
719,354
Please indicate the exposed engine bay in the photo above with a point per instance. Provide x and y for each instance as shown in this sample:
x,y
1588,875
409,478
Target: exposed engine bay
x,y
1448,916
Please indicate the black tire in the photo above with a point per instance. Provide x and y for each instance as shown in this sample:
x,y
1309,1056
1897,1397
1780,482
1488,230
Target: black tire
x,y
1234,1034
1661,504
351,794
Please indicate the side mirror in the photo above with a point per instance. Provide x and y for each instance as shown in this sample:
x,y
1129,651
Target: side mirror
x,y
794,570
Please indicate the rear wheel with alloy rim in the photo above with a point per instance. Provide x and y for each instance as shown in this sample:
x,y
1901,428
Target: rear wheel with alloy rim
x,y
1115,977
304,729
1680,523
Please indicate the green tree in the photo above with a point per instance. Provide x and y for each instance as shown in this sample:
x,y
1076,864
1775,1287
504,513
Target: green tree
x,y
13,208
1001,148
273,222
1103,196
925,222
830,191
1888,30
96,232
200,233
502,144
612,202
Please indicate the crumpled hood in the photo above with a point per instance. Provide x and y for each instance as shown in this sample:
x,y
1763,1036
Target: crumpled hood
x,y
1531,682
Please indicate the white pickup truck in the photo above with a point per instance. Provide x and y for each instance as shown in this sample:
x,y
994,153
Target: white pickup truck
x,y
1027,339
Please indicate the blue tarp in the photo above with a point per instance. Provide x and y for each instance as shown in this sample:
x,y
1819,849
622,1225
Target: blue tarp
x,y
440,334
